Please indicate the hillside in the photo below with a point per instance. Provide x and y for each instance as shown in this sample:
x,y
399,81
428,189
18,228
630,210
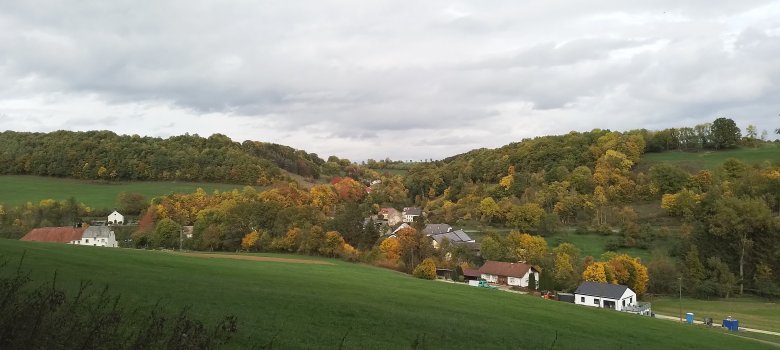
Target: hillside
x,y
298,305
105,155
20,189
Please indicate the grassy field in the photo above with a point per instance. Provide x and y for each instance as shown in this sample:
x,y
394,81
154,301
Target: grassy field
x,y
17,189
695,161
321,306
751,312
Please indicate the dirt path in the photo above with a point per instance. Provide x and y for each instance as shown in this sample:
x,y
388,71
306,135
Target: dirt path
x,y
256,258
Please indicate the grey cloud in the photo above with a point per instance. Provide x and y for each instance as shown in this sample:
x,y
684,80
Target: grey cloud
x,y
356,74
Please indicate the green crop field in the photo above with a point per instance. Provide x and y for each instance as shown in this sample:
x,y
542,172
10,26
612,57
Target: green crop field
x,y
695,161
751,312
17,189
353,306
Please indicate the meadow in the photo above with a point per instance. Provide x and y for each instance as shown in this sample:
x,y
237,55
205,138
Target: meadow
x,y
20,189
352,306
695,161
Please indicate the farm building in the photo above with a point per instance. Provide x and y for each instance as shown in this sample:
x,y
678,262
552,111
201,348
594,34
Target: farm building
x,y
100,236
471,275
54,234
455,237
509,274
115,218
605,295
435,229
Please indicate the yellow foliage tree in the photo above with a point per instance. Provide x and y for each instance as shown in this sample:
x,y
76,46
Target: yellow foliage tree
x,y
526,248
426,269
391,249
249,242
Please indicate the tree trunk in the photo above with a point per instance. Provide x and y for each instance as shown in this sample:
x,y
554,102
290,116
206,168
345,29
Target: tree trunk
x,y
742,267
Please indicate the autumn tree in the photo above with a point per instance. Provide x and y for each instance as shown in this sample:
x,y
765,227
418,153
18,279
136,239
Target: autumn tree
x,y
426,269
391,249
131,202
249,242
526,248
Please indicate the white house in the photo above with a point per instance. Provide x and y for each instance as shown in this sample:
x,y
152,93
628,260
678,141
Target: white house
x,y
509,274
605,295
411,213
115,218
100,236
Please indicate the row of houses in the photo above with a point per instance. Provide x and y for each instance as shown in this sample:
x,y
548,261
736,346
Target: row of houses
x,y
593,294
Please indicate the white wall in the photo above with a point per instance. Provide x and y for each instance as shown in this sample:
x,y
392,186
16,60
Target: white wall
x,y
629,297
490,278
116,218
99,242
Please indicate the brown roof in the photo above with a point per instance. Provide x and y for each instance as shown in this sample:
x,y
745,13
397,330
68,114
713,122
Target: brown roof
x,y
54,234
499,268
471,273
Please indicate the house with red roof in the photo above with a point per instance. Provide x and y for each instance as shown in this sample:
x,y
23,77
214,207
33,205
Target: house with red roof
x,y
508,274
54,234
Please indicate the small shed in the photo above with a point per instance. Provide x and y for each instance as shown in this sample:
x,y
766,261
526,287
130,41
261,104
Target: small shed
x,y
116,219
471,275
605,295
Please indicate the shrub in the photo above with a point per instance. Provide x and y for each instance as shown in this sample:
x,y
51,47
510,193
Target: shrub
x,y
425,270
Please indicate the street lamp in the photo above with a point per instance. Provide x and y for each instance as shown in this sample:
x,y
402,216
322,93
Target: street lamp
x,y
680,278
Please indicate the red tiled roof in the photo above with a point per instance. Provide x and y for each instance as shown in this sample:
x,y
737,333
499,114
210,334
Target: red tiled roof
x,y
499,268
471,272
54,234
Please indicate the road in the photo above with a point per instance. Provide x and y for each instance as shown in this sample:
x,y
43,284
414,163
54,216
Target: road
x,y
677,319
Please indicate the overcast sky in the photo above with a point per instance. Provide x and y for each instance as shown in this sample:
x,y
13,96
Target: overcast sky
x,y
374,79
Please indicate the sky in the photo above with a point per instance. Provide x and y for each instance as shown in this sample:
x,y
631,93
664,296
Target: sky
x,y
408,80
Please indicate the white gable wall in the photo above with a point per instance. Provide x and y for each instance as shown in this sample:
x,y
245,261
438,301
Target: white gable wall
x,y
116,219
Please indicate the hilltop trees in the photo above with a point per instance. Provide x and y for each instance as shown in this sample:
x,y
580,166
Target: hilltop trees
x,y
725,133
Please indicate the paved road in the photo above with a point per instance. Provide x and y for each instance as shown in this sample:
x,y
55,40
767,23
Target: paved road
x,y
677,319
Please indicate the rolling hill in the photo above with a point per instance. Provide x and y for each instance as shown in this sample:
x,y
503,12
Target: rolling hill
x,y
298,305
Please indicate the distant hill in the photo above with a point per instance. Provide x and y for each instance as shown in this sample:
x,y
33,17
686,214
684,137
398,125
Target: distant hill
x,y
104,155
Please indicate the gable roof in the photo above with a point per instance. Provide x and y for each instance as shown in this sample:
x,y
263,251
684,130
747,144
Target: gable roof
x,y
471,273
54,234
97,232
412,211
389,211
604,290
432,229
500,268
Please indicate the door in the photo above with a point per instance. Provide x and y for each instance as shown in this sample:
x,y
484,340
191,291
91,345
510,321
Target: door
x,y
609,304
502,280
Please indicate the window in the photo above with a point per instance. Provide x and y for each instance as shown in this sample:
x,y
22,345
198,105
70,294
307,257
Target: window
x,y
630,300
87,240
624,303
596,301
582,299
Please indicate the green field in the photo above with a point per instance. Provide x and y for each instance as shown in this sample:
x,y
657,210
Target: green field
x,y
751,312
319,306
18,189
695,161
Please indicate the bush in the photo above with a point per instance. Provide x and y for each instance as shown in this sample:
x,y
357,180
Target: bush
x,y
425,270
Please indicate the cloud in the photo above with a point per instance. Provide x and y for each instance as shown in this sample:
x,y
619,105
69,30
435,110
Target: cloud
x,y
386,79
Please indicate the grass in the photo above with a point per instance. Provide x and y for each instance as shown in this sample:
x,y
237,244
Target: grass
x,y
695,161
751,312
358,306
19,189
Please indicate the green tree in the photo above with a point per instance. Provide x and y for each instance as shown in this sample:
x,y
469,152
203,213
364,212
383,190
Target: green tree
x,y
725,133
166,234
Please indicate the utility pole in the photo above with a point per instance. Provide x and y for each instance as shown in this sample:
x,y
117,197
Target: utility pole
x,y
181,235
680,299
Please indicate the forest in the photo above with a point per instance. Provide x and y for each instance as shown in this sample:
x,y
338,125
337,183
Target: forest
x,y
717,227
104,155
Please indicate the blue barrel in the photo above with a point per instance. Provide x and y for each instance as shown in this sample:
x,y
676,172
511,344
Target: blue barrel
x,y
732,325
689,317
